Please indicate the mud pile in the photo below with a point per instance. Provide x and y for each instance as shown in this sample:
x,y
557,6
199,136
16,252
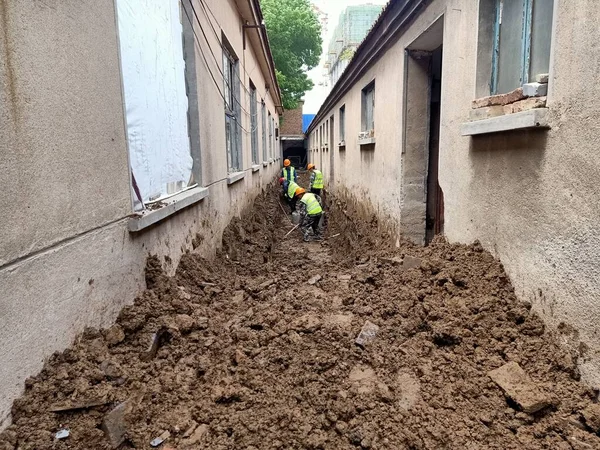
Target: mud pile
x,y
256,350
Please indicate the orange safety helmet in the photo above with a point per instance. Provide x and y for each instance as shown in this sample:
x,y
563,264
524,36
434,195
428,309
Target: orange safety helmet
x,y
281,180
299,191
310,166
286,162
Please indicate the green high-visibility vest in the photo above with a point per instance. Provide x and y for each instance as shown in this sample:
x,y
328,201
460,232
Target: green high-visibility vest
x,y
313,207
318,181
289,173
292,186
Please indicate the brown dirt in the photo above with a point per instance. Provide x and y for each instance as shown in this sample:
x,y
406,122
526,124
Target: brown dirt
x,y
252,356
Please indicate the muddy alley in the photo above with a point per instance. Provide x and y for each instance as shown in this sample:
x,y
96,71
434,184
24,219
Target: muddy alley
x,y
262,348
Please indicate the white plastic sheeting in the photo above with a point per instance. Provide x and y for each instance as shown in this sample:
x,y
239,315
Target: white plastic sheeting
x,y
150,34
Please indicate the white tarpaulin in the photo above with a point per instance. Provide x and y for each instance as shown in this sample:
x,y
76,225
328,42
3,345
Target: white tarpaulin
x,y
150,35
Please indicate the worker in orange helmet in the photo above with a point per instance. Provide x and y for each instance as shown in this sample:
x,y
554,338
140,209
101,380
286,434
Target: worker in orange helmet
x,y
289,172
316,180
311,211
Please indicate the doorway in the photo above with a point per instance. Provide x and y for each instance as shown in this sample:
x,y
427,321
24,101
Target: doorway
x,y
422,199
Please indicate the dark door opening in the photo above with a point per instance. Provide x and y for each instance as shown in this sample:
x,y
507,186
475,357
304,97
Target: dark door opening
x,y
435,196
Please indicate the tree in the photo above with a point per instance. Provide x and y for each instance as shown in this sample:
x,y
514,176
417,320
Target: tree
x,y
295,36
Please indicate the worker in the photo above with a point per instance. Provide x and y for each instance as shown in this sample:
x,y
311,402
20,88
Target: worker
x,y
289,172
289,192
316,180
311,210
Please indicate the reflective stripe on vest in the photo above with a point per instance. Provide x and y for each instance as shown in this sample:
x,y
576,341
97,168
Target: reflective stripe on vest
x,y
318,181
292,186
289,173
312,204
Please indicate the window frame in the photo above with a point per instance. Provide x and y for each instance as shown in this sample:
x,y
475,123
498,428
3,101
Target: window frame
x,y
264,131
253,123
528,27
368,92
270,122
232,104
342,123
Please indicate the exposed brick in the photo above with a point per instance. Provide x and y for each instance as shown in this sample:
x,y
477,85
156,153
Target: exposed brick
x,y
291,123
486,113
525,105
501,99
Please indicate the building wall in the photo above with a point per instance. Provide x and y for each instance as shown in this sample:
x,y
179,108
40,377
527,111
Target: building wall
x,y
529,196
292,121
68,260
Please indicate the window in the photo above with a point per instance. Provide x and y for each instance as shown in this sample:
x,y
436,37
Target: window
x,y
155,121
264,130
270,136
521,42
253,124
274,131
343,123
232,110
368,107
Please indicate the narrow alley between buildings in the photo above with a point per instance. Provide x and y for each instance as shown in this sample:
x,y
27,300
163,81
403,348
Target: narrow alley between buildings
x,y
262,348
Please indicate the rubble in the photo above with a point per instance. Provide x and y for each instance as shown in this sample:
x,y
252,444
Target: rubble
x,y
518,386
225,366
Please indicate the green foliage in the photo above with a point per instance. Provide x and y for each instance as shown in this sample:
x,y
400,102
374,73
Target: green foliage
x,y
347,54
295,37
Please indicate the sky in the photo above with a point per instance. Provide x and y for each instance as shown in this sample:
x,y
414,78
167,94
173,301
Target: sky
x,y
314,98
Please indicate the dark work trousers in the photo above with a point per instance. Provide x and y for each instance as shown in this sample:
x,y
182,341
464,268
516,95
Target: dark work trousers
x,y
315,191
292,203
311,222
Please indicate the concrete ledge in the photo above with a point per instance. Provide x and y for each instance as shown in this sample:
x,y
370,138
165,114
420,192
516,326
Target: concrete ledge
x,y
265,163
535,118
366,141
235,177
255,167
176,203
270,160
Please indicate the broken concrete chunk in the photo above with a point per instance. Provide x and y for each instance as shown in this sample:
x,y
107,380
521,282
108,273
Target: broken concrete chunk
x,y
197,435
517,385
394,261
114,335
535,89
591,414
410,262
113,425
344,277
541,78
314,279
367,334
159,440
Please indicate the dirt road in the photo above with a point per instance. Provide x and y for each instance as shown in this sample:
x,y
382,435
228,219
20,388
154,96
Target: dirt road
x,y
256,350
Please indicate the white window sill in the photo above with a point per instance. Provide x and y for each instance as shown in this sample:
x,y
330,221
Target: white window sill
x,y
270,160
146,218
366,141
265,163
342,144
534,118
255,168
235,177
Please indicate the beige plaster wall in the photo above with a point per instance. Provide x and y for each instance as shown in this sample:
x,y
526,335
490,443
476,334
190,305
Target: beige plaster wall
x,y
529,197
67,260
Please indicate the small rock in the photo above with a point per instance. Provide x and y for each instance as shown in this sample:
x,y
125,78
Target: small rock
x,y
184,323
395,261
114,335
517,385
344,277
197,435
183,294
591,414
367,334
113,425
410,262
314,279
111,369
191,429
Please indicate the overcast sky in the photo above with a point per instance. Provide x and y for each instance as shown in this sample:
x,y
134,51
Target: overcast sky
x,y
333,8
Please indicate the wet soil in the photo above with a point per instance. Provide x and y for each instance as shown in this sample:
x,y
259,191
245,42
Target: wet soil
x,y
256,350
